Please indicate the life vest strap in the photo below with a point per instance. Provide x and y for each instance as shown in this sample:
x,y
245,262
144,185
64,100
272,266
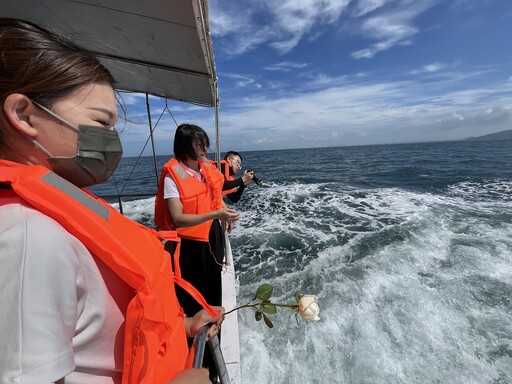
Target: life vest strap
x,y
192,291
171,236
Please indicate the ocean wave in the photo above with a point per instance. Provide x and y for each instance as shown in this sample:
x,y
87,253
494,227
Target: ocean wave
x,y
414,287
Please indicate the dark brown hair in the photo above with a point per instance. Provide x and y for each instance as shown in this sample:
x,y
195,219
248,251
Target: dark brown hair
x,y
184,139
42,65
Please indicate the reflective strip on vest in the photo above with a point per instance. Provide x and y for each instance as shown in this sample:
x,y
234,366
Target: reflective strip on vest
x,y
69,189
180,171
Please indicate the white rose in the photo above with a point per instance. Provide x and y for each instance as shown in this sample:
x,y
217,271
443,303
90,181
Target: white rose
x,y
308,308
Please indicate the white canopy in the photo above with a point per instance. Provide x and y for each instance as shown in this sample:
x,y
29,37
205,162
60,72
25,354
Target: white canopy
x,y
159,47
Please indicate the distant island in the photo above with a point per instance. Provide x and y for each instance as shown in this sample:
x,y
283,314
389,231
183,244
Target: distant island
x,y
503,135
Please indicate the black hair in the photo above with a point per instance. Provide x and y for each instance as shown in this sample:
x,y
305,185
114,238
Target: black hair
x,y
232,153
184,139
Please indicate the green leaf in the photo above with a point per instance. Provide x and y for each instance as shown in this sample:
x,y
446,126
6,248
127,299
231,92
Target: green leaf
x,y
268,308
258,315
267,321
264,291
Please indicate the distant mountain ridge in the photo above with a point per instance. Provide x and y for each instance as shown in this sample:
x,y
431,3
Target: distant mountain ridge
x,y
503,135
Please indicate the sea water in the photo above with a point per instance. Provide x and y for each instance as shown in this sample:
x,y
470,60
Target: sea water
x,y
408,248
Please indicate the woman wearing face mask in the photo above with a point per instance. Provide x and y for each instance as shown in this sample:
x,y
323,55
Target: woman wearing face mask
x,y
189,200
80,306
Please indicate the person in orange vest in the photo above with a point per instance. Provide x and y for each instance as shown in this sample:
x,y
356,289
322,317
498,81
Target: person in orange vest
x,y
189,200
87,294
234,188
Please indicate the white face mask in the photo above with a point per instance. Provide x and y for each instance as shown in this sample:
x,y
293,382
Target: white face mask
x,y
98,154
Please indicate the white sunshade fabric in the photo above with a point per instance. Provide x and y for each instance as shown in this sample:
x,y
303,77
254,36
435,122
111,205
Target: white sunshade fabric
x,y
159,47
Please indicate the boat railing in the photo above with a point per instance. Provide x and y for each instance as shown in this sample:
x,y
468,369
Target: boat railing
x,y
197,353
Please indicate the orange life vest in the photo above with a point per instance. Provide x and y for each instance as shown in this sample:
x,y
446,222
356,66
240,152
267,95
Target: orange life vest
x,y
197,197
155,347
227,176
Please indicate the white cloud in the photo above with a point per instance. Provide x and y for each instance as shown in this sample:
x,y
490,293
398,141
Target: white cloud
x,y
317,97
433,67
351,111
364,112
393,25
282,24
242,81
363,7
429,68
279,23
285,66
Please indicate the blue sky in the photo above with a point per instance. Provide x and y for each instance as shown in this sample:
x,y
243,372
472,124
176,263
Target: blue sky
x,y
319,73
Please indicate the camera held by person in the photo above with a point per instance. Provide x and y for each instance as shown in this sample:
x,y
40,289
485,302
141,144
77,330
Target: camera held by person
x,y
255,178
233,188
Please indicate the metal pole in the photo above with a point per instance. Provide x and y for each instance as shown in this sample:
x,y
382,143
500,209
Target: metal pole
x,y
198,346
218,359
148,107
217,129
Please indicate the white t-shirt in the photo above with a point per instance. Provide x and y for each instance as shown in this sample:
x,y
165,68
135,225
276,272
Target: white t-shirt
x,y
58,318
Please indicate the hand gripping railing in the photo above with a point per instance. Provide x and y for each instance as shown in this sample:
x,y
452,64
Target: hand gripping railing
x,y
197,353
